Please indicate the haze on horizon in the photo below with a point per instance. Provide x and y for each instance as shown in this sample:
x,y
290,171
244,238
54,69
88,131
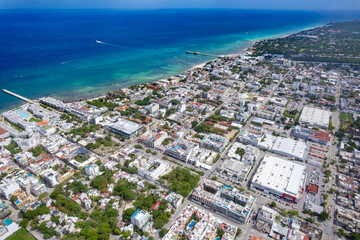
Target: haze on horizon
x,y
158,4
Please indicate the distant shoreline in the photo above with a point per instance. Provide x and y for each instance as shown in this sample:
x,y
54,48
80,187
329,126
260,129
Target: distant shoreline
x,y
201,65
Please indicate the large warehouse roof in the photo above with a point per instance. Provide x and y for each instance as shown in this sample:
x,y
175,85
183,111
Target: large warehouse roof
x,y
280,175
290,147
315,116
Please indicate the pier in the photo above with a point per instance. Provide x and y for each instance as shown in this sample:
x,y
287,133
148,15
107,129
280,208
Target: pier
x,y
203,54
17,95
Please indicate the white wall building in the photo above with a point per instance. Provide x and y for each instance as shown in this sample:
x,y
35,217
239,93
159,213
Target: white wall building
x,y
281,178
92,170
140,218
315,117
153,169
290,148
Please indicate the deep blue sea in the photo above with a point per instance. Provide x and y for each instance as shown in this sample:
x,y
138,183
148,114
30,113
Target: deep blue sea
x,y
53,53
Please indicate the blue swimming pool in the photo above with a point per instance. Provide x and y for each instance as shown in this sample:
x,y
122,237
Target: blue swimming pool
x,y
191,225
7,222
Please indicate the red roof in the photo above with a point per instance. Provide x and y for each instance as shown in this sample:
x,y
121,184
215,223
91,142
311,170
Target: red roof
x,y
2,131
43,123
313,188
156,206
320,135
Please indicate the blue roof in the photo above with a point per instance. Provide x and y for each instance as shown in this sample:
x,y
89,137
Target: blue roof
x,y
17,202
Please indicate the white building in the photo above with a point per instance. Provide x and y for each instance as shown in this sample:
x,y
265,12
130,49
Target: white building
x,y
7,189
153,169
92,170
152,108
214,142
315,117
125,128
290,148
279,101
51,177
281,178
140,218
174,199
38,189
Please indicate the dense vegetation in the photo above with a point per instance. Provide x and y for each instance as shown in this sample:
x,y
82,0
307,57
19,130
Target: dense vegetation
x,y
84,129
104,102
125,190
181,181
336,42
13,148
100,182
63,203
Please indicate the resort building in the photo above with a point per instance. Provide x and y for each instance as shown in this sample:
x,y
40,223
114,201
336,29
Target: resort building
x,y
252,135
152,139
180,149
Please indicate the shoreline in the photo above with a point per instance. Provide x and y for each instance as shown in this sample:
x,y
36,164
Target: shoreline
x,y
200,65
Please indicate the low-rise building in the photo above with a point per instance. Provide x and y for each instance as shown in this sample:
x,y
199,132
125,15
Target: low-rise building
x,y
224,199
153,169
290,148
214,142
125,128
281,178
315,117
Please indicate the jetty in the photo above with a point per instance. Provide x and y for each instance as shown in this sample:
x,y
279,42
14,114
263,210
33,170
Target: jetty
x,y
17,95
203,54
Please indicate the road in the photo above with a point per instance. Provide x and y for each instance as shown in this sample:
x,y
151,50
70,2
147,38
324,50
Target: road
x,y
209,172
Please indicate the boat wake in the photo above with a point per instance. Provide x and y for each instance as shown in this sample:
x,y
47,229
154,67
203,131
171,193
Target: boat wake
x,y
114,45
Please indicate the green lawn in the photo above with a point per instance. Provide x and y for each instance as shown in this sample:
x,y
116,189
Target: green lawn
x,y
346,117
21,234
14,126
34,119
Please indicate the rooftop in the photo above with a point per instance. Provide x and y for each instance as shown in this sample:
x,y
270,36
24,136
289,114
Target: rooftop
x,y
281,175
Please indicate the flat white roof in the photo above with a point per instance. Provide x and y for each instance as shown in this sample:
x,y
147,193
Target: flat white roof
x,y
295,178
126,126
290,147
315,116
280,175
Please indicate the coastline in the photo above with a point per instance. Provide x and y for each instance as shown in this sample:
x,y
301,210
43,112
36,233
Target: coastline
x,y
247,44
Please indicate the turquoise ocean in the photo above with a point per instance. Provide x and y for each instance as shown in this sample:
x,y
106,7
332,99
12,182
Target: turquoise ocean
x,y
53,52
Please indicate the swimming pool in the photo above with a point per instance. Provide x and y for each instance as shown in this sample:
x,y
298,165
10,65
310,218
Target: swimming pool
x,y
7,222
191,225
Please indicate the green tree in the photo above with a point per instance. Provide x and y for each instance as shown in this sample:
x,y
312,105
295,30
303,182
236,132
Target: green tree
x,y
323,216
13,198
128,213
272,204
126,234
159,223
163,232
24,222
